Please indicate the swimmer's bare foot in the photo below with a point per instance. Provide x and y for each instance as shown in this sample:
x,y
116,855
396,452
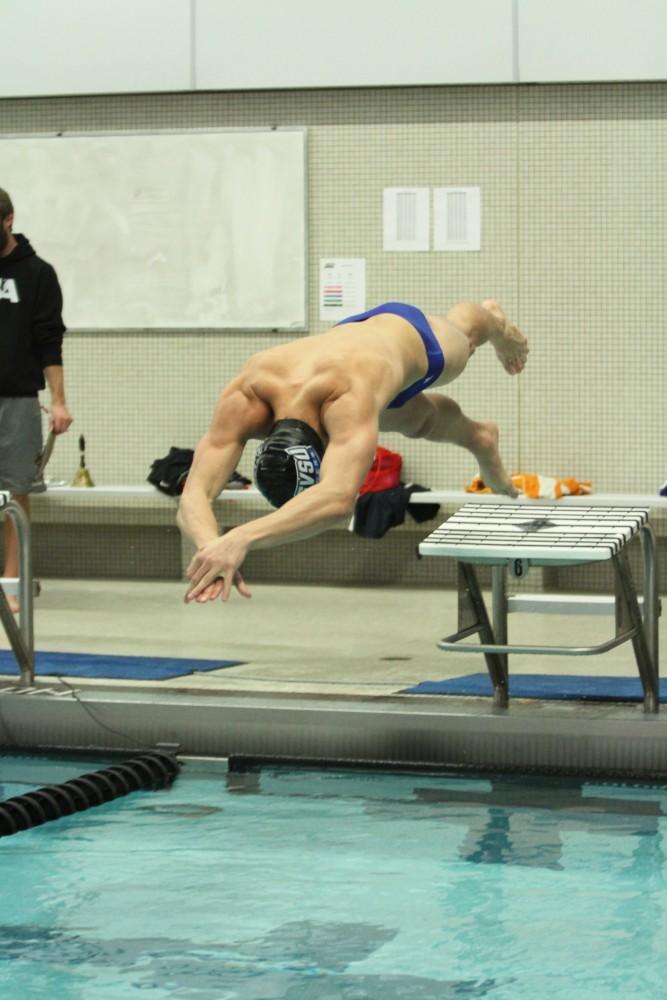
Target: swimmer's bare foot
x,y
491,468
13,604
511,346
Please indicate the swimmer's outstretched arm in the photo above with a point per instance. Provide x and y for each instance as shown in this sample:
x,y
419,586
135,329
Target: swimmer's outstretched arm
x,y
212,466
235,419
352,429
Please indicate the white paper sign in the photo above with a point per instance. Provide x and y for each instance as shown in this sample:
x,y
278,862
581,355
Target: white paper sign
x,y
342,287
457,218
406,222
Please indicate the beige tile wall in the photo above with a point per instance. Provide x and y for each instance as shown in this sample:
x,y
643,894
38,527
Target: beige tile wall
x,y
574,217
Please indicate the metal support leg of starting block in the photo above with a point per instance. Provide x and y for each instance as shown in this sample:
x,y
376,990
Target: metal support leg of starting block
x,y
652,606
630,625
473,620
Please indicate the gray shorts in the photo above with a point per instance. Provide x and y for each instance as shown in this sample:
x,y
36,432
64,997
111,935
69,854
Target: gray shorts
x,y
20,445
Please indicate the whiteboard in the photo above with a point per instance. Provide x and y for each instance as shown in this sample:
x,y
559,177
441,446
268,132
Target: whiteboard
x,y
183,230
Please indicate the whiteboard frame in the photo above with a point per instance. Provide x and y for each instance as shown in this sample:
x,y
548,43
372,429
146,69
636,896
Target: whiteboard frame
x,y
114,133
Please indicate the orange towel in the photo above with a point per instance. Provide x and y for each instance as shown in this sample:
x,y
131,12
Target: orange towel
x,y
537,487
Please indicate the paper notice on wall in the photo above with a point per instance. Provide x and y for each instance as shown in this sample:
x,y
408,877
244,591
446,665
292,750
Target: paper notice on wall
x,y
457,218
342,287
405,218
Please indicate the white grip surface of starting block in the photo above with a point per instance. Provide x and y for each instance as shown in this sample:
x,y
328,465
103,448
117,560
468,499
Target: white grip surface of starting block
x,y
540,535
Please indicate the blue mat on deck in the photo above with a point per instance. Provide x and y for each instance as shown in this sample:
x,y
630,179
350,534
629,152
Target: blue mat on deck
x,y
562,687
131,668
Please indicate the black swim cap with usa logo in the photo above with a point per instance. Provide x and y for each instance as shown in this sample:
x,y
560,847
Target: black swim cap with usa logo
x,y
288,461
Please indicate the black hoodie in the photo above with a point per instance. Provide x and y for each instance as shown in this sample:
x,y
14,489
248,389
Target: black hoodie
x,y
31,325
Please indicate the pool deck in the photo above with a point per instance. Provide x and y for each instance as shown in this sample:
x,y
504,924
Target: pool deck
x,y
323,672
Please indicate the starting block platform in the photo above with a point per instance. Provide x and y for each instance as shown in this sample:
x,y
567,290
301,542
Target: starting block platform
x,y
512,538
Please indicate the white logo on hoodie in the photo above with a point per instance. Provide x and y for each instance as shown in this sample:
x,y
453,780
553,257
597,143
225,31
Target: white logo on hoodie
x,y
8,289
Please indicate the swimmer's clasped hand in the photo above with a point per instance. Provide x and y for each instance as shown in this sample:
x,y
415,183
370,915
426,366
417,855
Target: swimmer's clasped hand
x,y
215,568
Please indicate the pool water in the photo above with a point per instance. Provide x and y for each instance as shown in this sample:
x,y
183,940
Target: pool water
x,y
304,885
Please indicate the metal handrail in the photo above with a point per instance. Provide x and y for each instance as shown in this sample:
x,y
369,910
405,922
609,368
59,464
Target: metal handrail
x,y
21,636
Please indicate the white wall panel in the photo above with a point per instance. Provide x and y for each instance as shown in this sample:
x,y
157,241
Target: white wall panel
x,y
52,47
256,44
585,40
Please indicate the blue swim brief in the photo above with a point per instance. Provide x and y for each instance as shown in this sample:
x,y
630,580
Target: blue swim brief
x,y
435,357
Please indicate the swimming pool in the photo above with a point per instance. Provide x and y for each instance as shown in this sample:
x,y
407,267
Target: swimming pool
x,y
323,885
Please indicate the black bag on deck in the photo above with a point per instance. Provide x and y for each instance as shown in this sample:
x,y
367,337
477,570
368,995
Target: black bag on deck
x,y
168,474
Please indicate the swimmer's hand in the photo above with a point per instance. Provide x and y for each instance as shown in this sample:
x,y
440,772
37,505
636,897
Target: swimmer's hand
x,y
215,568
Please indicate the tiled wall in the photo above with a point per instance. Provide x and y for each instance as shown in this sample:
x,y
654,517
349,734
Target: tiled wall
x,y
574,217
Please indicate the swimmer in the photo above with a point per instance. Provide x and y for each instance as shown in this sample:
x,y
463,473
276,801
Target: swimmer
x,y
317,405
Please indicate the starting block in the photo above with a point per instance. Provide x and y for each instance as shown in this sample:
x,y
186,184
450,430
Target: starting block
x,y
512,538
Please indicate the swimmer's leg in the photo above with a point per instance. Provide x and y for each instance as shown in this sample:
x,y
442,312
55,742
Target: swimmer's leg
x,y
488,323
434,417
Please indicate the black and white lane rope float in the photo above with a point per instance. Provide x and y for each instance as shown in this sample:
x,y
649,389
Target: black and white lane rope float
x,y
150,771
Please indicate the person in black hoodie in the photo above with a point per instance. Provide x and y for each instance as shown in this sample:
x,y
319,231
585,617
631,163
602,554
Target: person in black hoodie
x,y
31,335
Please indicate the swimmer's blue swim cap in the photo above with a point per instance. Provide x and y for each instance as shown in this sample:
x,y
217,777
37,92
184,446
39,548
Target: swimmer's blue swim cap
x,y
288,461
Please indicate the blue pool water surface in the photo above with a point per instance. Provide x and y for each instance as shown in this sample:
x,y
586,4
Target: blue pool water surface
x,y
304,885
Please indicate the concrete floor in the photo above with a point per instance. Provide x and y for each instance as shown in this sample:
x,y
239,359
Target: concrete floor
x,y
357,641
